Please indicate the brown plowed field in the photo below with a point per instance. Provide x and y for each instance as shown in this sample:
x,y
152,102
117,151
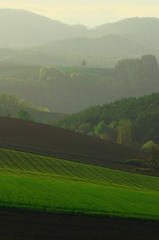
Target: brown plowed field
x,y
52,141
41,226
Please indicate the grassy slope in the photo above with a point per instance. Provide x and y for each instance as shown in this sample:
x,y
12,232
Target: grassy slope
x,y
35,182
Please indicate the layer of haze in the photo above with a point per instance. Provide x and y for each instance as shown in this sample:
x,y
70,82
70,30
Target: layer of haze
x,y
87,12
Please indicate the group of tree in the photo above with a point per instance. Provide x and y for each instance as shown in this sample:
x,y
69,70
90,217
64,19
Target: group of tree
x,y
151,159
130,121
12,100
132,72
24,115
12,106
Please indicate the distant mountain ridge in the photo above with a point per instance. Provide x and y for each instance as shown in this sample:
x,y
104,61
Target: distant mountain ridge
x,y
106,45
29,38
142,30
28,29
23,29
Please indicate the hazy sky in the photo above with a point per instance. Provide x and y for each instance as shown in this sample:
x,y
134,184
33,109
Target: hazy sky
x,y
87,12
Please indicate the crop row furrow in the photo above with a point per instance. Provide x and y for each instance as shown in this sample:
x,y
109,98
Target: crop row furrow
x,y
72,170
7,161
23,160
10,156
43,162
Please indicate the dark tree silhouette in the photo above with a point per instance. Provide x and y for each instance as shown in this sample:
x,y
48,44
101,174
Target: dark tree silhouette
x,y
83,63
22,114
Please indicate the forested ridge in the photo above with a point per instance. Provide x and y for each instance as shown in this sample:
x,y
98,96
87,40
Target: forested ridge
x,y
130,121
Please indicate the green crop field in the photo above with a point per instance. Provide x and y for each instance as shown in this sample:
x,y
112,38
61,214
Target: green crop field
x,y
35,182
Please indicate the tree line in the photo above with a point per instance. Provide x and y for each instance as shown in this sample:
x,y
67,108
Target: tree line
x,y
130,121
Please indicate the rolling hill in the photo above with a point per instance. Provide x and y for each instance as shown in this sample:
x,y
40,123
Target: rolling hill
x,y
108,45
45,41
40,195
52,141
25,174
141,30
32,29
100,120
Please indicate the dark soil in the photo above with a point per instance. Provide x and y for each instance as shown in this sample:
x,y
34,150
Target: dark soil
x,y
52,141
47,226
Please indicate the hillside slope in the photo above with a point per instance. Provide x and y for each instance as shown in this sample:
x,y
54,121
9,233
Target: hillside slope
x,y
109,45
38,183
54,185
103,121
32,29
141,30
44,137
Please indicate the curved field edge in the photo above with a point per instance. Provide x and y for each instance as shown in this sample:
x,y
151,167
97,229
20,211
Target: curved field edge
x,y
20,163
34,182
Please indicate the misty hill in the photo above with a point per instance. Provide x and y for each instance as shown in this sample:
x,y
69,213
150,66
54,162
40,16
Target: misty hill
x,y
110,45
63,44
39,56
72,89
20,29
141,30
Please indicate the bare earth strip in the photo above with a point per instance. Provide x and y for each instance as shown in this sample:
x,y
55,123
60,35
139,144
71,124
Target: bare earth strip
x,y
31,226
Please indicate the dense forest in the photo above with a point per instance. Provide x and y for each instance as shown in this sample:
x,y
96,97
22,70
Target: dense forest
x,y
72,89
129,121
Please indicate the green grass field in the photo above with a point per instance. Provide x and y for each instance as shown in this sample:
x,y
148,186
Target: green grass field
x,y
34,182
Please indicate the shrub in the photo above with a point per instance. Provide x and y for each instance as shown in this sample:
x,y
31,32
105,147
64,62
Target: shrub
x,y
145,170
24,115
136,162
